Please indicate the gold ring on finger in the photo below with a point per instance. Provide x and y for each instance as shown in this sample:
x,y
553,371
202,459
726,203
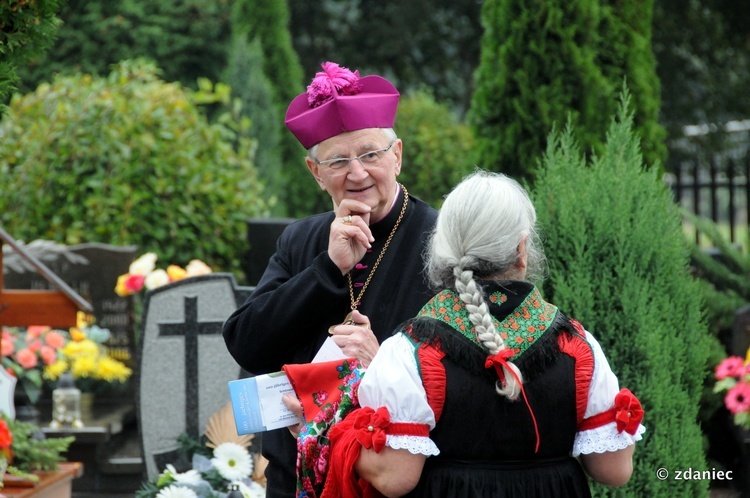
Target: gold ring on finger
x,y
347,220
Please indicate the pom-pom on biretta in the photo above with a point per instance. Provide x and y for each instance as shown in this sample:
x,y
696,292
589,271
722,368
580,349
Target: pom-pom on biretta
x,y
333,80
337,101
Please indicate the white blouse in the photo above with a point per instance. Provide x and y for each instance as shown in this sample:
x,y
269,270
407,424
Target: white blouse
x,y
392,380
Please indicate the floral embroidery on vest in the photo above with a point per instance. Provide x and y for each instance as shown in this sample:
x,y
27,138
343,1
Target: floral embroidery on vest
x,y
519,329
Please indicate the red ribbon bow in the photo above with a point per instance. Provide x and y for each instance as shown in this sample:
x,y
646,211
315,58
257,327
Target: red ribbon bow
x,y
499,361
628,412
370,427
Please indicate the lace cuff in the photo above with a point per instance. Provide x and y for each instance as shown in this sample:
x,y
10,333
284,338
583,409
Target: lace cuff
x,y
605,438
415,444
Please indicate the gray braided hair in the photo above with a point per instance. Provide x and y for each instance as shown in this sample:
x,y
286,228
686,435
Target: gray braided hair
x,y
479,230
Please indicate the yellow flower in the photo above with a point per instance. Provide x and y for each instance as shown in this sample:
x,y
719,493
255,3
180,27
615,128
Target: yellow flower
x,y
84,319
85,347
83,366
176,272
77,334
120,288
53,371
112,370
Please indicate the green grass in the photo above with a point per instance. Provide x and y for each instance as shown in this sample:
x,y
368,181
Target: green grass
x,y
741,235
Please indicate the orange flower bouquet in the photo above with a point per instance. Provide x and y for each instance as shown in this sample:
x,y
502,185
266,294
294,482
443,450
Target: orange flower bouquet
x,y
27,352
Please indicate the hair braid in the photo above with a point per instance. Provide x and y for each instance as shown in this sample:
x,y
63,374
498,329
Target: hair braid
x,y
471,294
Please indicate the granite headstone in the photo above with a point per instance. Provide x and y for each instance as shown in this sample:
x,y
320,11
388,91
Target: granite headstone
x,y
91,270
184,365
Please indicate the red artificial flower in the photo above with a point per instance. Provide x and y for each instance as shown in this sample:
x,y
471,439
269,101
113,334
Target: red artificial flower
x,y
371,426
628,412
7,346
733,366
134,283
26,358
54,340
6,440
737,399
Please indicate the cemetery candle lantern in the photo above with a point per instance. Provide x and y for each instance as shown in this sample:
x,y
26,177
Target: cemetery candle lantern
x,y
234,491
66,404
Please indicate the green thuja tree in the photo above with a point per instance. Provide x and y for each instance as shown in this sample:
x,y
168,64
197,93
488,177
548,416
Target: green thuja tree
x,y
545,61
437,147
187,40
267,23
618,262
128,159
252,88
27,29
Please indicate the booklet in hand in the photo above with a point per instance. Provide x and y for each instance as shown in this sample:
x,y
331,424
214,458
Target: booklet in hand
x,y
257,401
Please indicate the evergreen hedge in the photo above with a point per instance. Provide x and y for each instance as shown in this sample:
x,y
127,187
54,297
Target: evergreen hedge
x,y
438,149
128,159
618,262
27,28
267,23
544,61
187,40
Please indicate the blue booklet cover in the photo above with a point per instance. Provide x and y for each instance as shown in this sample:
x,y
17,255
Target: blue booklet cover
x,y
257,403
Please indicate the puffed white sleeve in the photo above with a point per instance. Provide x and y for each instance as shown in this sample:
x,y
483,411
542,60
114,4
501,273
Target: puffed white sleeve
x,y
598,437
392,380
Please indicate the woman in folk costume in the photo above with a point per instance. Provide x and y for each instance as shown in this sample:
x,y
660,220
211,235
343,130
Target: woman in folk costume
x,y
490,391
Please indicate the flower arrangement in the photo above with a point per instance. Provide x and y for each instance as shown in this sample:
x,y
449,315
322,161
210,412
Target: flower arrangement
x,y
87,358
733,376
220,460
143,273
39,353
28,352
6,441
24,449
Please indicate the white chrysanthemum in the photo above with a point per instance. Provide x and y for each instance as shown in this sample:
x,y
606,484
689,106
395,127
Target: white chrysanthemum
x,y
155,279
232,461
192,476
197,267
143,265
254,490
176,492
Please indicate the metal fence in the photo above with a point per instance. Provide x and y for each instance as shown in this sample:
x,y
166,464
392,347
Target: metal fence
x,y
715,185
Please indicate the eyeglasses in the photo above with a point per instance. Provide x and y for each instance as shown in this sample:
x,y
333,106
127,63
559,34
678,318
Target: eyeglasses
x,y
340,165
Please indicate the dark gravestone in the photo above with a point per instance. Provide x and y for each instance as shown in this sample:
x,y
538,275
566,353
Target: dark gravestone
x,y
262,234
184,365
91,270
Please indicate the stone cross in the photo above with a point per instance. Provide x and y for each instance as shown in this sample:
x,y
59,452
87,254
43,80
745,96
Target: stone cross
x,y
191,329
183,363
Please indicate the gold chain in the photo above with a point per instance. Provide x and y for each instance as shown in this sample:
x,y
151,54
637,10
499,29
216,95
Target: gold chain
x,y
355,302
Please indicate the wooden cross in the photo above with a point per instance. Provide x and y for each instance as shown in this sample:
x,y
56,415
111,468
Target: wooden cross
x,y
55,308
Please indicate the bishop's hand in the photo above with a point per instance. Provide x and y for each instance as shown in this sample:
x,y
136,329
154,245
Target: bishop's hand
x,y
350,236
355,338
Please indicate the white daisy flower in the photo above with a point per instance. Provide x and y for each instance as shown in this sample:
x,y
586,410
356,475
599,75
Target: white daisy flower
x,y
232,461
253,490
176,492
190,477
